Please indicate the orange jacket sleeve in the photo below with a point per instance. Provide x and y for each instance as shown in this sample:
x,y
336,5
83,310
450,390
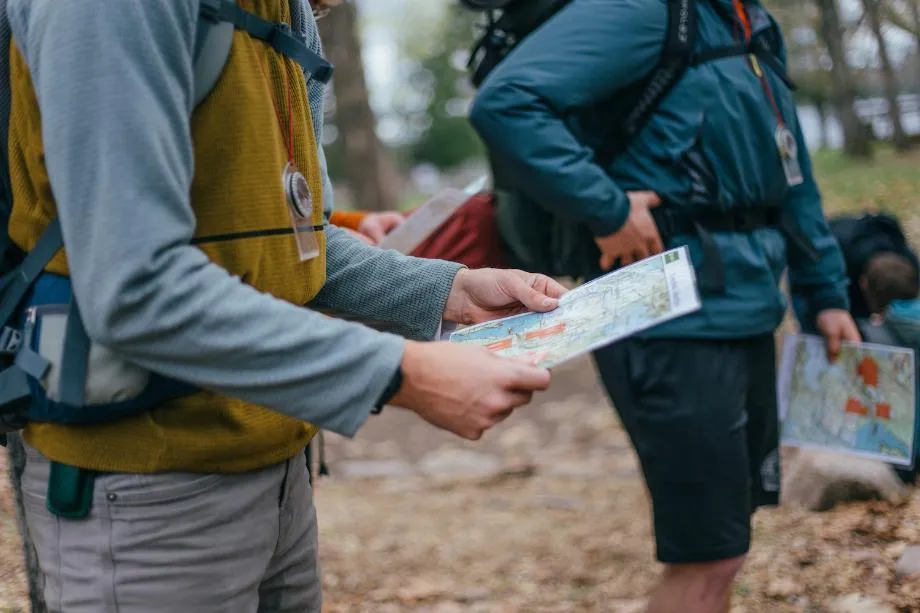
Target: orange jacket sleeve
x,y
347,219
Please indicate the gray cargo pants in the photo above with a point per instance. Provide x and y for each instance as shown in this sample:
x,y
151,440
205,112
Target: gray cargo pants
x,y
181,542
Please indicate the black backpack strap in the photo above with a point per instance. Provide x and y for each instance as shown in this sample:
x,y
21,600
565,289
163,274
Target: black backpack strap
x,y
20,280
676,57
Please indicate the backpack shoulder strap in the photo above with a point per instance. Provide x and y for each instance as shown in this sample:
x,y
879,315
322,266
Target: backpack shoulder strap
x,y
217,21
279,36
213,40
676,57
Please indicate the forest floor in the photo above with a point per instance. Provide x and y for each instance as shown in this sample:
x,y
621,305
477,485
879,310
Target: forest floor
x,y
548,513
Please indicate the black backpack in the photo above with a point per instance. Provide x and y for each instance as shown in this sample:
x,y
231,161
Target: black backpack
x,y
862,236
535,238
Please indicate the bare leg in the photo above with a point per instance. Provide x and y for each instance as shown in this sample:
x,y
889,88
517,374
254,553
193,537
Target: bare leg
x,y
696,588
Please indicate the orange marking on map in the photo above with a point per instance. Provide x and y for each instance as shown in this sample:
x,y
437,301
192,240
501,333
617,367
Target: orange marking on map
x,y
856,407
505,343
868,370
883,410
546,332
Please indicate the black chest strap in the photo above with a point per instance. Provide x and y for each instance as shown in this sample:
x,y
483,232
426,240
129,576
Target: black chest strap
x,y
757,47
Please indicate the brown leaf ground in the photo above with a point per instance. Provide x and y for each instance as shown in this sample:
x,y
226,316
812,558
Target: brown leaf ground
x,y
561,525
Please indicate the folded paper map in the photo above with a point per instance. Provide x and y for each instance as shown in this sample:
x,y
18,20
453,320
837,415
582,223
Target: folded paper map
x,y
429,217
619,304
863,404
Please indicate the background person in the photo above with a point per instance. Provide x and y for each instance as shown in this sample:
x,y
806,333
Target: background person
x,y
719,166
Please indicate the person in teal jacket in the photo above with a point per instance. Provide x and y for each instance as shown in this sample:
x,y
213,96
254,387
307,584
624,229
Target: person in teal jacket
x,y
696,395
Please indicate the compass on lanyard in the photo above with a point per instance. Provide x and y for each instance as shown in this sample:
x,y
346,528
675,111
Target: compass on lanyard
x,y
297,190
785,142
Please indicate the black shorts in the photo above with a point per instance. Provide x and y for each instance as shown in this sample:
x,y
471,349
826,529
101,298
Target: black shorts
x,y
702,416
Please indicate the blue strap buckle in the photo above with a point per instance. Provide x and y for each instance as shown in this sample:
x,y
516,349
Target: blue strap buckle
x,y
10,340
280,29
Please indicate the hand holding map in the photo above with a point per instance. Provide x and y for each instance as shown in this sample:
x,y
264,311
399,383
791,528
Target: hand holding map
x,y
612,307
864,403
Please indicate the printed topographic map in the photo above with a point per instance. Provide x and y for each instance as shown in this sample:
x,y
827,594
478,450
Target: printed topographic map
x,y
629,300
862,404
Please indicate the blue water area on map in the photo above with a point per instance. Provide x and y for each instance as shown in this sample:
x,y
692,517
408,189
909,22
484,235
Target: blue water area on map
x,y
509,327
875,437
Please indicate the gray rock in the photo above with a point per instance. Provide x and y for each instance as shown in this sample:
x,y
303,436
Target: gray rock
x,y
459,463
858,603
819,480
909,564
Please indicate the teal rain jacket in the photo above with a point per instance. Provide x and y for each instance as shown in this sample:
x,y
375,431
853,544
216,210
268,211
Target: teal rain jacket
x,y
711,143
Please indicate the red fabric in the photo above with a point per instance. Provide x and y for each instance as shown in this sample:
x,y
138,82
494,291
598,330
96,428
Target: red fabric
x,y
469,236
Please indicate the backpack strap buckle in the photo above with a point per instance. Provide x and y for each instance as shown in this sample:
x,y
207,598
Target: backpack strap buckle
x,y
280,30
10,340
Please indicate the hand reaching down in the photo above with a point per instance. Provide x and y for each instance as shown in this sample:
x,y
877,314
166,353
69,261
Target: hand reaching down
x,y
638,238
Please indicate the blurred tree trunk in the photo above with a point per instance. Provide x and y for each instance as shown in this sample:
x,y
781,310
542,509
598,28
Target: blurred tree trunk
x,y
873,10
368,169
17,463
855,138
914,6
821,110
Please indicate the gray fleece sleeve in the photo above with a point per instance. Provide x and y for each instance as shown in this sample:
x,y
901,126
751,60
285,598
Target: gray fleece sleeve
x,y
114,84
385,289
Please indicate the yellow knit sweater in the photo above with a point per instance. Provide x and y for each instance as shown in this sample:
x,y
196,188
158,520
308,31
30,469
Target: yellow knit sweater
x,y
240,152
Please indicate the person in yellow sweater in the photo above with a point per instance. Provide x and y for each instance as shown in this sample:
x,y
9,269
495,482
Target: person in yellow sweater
x,y
179,347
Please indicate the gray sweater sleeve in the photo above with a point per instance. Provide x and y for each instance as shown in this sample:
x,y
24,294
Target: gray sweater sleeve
x,y
114,85
397,293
